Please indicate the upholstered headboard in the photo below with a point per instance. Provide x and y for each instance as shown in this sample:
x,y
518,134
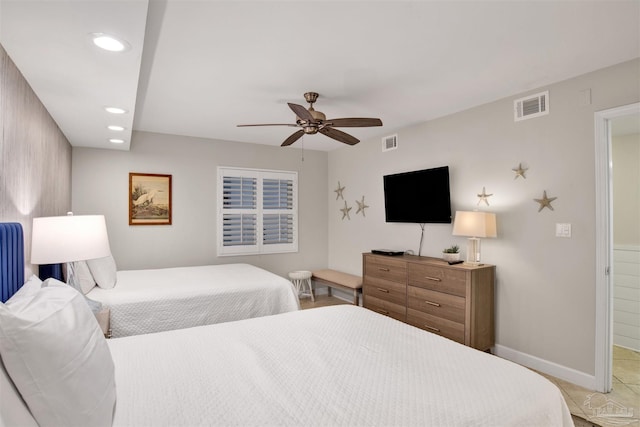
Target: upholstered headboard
x,y
11,259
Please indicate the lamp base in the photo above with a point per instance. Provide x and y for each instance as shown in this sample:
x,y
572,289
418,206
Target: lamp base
x,y
473,251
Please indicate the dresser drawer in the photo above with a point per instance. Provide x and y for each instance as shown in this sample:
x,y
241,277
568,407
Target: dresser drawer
x,y
438,304
385,290
385,267
437,278
437,325
397,311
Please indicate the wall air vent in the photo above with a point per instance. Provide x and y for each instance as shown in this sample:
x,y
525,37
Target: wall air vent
x,y
531,106
390,142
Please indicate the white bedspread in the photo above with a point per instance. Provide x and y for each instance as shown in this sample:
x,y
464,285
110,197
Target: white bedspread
x,y
331,366
145,301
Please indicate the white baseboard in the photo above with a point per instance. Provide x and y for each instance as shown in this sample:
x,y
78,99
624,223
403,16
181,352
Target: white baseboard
x,y
562,372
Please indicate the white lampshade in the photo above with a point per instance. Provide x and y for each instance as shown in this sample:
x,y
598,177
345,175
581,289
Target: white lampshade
x,y
60,239
474,224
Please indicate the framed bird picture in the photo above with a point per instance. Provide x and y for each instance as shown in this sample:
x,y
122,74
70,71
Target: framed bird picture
x,y
149,199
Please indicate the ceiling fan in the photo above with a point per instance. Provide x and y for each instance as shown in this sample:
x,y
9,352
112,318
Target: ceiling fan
x,y
312,121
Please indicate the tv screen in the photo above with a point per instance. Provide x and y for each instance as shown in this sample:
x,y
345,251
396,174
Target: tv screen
x,y
419,196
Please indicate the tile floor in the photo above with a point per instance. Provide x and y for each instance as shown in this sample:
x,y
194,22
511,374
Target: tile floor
x,y
620,407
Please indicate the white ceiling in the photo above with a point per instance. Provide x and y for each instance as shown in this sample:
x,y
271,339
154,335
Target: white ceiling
x,y
199,68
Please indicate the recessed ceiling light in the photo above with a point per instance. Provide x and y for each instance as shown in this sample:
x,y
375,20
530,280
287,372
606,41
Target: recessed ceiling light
x,y
116,128
115,110
110,43
117,141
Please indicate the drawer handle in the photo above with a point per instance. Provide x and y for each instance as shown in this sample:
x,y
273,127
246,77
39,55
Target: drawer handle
x,y
383,269
385,312
431,328
435,304
435,279
383,290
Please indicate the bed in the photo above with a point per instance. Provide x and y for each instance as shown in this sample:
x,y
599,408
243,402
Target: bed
x,y
154,300
331,366
338,366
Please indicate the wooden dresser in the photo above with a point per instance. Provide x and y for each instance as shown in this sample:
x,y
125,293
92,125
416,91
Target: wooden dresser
x,y
455,301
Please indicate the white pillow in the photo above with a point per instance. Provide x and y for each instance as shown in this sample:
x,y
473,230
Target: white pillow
x,y
30,288
13,410
56,355
103,271
83,276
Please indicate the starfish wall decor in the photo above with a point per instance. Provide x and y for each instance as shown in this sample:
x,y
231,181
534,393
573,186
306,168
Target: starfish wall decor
x,y
339,191
345,211
484,197
361,206
545,202
520,171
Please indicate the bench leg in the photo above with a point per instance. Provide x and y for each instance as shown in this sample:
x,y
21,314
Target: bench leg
x,y
328,290
313,299
355,297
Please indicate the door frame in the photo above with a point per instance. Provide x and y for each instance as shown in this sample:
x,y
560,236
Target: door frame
x,y
604,243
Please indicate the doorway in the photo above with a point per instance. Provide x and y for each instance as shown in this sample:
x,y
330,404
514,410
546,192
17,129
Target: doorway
x,y
605,121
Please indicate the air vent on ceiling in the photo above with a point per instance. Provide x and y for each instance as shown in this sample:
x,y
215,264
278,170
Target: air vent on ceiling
x,y
390,142
531,106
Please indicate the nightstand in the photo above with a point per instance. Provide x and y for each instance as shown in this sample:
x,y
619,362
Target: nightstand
x,y
103,318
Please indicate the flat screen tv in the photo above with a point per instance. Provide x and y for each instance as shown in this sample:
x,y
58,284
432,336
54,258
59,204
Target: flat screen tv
x,y
419,196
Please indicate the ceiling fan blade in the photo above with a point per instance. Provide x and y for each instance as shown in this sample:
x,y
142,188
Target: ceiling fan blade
x,y
338,135
270,124
293,138
354,122
301,112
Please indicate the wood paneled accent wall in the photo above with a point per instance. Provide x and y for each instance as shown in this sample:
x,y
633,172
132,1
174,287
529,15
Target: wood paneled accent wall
x,y
35,156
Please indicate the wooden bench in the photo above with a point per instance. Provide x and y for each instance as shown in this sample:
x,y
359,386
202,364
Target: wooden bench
x,y
340,280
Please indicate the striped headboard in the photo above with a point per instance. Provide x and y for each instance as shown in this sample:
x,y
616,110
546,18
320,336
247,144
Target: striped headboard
x,y
11,259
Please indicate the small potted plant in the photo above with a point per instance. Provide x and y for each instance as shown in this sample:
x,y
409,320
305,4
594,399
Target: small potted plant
x,y
451,253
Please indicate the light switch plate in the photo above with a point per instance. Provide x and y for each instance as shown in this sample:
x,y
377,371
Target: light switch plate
x,y
563,230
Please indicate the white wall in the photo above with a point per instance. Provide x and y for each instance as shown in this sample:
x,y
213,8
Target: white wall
x,y
626,239
35,157
626,296
625,152
100,186
545,290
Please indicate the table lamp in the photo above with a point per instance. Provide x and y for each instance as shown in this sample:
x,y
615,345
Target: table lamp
x,y
474,225
66,239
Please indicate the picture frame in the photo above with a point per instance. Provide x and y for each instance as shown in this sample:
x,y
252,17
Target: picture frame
x,y
149,199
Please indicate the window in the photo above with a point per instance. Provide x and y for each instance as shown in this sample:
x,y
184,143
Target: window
x,y
257,211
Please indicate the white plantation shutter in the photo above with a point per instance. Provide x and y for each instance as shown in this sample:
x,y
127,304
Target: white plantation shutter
x,y
277,217
257,211
239,212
